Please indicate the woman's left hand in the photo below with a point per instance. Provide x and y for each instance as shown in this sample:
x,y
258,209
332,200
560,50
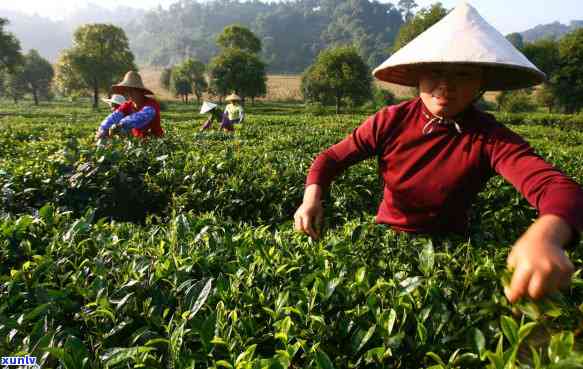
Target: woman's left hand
x,y
539,263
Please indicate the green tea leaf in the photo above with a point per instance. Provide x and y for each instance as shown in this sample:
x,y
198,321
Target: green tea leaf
x,y
119,355
525,330
427,259
478,340
323,360
436,358
510,329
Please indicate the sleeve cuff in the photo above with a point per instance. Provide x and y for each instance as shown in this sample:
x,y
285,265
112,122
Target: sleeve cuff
x,y
576,232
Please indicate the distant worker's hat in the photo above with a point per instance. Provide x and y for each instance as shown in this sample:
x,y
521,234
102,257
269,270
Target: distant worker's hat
x,y
115,99
207,106
233,97
462,37
132,79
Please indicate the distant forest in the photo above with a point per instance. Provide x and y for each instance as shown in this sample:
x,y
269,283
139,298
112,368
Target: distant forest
x,y
292,32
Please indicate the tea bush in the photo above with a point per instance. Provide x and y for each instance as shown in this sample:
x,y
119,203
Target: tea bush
x,y
180,253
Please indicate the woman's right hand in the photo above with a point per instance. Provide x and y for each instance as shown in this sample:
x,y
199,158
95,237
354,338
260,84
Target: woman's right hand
x,y
308,217
99,134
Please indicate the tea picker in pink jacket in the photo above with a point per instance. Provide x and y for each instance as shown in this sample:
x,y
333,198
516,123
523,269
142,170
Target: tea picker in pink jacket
x,y
436,152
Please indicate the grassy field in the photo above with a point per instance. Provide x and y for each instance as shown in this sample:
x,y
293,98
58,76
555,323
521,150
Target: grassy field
x,y
180,253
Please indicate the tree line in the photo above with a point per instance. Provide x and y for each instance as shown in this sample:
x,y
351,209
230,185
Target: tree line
x,y
338,75
100,55
236,68
20,74
234,59
562,61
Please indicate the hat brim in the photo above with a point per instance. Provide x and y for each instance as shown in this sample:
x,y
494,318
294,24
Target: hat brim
x,y
121,89
496,77
207,110
233,99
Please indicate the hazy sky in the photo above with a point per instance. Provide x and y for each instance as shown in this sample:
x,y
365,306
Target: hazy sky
x,y
506,15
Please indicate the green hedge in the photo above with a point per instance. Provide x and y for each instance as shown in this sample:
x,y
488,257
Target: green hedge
x,y
543,119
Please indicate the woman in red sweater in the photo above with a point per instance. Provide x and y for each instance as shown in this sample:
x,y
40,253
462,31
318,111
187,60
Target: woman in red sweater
x,y
140,116
437,151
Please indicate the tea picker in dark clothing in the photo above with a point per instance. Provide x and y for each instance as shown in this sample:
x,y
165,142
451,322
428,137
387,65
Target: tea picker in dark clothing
x,y
214,114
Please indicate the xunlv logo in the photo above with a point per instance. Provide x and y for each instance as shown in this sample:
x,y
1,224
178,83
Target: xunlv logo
x,y
19,361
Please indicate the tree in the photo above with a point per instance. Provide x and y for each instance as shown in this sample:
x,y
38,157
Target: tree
x,y
239,37
545,96
195,69
255,79
68,80
338,74
181,83
165,78
14,84
369,26
568,78
186,78
544,54
239,71
199,87
10,56
517,101
406,8
238,68
425,18
516,40
38,75
99,57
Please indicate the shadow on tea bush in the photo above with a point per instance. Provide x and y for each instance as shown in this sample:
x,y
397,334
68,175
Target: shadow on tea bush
x,y
163,105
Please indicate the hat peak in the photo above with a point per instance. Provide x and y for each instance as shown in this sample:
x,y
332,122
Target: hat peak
x,y
463,36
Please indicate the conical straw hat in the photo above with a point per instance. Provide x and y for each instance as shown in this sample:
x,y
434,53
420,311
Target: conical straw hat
x,y
207,106
462,37
132,79
233,97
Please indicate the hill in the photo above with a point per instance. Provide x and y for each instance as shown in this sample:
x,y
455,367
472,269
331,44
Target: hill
x,y
49,37
553,30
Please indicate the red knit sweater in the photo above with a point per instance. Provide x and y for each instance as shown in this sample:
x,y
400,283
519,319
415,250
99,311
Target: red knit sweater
x,y
153,128
430,180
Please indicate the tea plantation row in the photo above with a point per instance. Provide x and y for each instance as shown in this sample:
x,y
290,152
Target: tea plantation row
x,y
180,253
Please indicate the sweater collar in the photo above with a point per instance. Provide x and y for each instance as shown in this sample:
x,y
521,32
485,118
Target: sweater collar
x,y
432,121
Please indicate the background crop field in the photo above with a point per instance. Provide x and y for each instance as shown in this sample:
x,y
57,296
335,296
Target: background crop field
x,y
180,253
280,87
